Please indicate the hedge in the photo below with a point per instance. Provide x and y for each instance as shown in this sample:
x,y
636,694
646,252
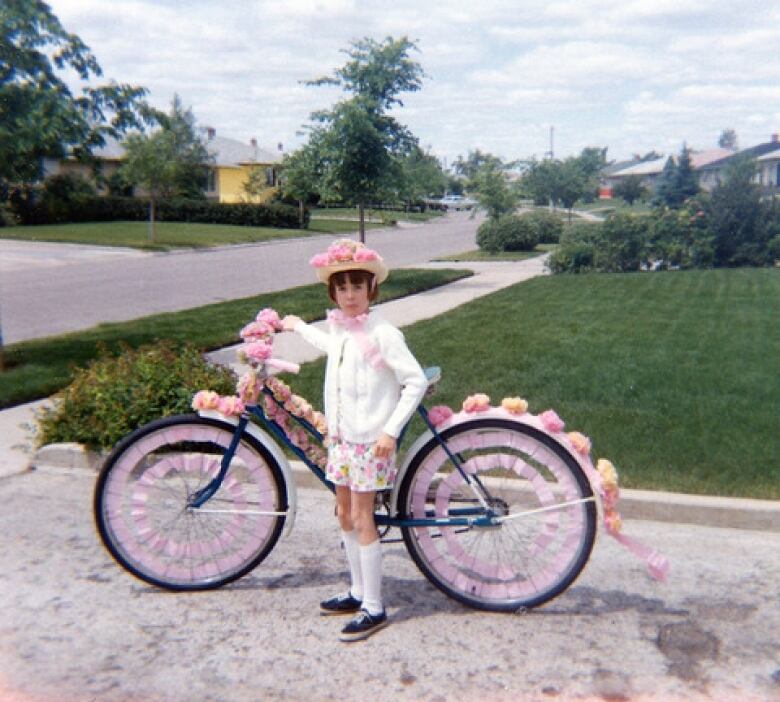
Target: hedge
x,y
111,209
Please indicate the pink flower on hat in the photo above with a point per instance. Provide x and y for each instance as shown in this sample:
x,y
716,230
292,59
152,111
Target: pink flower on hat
x,y
365,254
320,260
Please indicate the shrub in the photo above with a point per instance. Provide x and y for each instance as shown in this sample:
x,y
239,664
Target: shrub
x,y
623,243
509,233
576,252
113,395
548,226
774,248
111,209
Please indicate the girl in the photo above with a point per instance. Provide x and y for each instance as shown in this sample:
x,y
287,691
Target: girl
x,y
373,384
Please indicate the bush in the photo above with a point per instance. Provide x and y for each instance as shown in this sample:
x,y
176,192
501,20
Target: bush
x,y
548,226
112,209
112,396
774,248
623,243
576,252
509,233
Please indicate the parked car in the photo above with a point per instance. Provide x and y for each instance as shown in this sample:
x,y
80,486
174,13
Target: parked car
x,y
456,202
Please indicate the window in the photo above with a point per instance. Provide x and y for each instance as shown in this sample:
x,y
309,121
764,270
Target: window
x,y
211,180
270,177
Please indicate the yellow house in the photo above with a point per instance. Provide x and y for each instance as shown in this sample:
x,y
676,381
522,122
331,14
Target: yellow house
x,y
235,163
231,167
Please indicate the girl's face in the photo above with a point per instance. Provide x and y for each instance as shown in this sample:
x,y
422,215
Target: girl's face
x,y
352,298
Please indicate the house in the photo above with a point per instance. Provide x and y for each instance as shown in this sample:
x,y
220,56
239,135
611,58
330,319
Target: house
x,y
650,171
232,164
767,156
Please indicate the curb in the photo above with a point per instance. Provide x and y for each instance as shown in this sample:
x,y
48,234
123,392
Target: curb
x,y
678,508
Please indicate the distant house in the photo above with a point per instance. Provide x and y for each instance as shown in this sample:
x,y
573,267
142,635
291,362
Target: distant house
x,y
231,166
650,171
767,155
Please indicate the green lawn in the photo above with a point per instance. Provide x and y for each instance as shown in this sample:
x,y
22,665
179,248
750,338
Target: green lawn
x,y
39,367
675,376
169,235
352,212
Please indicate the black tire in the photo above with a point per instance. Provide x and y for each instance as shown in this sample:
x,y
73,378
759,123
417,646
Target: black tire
x,y
527,560
141,511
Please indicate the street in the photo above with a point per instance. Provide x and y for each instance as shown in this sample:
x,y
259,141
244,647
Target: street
x,y
76,628
47,289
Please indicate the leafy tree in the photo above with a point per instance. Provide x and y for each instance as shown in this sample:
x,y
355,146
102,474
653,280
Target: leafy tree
x,y
475,160
168,162
572,183
728,139
39,114
630,189
422,176
541,181
740,223
358,144
492,190
301,174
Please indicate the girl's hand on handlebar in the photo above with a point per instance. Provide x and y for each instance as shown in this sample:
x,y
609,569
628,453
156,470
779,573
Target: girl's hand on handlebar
x,y
289,322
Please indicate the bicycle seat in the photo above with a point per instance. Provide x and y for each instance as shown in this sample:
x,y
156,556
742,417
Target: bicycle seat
x,y
433,376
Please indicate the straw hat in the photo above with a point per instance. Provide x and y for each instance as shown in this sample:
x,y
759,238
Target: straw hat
x,y
349,255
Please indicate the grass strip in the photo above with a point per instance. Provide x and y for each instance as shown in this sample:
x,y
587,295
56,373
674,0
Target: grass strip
x,y
40,367
170,235
674,375
480,255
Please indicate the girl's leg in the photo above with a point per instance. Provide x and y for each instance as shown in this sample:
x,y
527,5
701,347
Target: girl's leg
x,y
370,551
349,537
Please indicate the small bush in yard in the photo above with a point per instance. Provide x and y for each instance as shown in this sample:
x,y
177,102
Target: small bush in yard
x,y
548,226
114,395
509,233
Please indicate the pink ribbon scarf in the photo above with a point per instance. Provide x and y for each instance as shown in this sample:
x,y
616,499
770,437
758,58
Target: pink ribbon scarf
x,y
356,327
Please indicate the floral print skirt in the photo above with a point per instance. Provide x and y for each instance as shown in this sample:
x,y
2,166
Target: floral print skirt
x,y
355,466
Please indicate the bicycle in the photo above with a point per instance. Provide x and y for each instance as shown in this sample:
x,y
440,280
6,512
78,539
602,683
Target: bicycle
x,y
497,511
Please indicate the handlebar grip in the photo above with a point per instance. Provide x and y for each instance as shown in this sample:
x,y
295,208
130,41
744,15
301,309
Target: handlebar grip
x,y
283,366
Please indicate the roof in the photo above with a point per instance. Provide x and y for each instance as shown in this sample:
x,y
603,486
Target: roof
x,y
643,168
618,166
231,152
752,152
704,158
771,155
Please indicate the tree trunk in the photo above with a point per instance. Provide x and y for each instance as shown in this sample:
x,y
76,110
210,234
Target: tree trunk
x,y
150,235
362,222
301,213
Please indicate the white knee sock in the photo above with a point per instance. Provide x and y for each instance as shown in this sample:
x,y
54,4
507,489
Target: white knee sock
x,y
371,565
352,549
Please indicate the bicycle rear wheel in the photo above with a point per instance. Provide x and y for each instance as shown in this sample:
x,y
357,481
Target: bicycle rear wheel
x,y
534,484
142,513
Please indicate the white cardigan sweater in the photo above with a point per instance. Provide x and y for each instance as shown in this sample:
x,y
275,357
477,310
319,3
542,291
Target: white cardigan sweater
x,y
361,401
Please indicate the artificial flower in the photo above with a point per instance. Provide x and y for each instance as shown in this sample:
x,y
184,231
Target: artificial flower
x,y
249,387
514,405
613,522
610,495
439,414
320,260
257,331
476,403
551,421
258,351
205,400
230,406
580,442
270,317
607,472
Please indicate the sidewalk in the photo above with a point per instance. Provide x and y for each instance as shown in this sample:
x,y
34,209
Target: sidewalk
x,y
16,453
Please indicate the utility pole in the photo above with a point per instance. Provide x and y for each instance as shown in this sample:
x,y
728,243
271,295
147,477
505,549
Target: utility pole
x,y
551,152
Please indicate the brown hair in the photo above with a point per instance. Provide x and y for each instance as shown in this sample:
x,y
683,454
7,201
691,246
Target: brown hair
x,y
356,277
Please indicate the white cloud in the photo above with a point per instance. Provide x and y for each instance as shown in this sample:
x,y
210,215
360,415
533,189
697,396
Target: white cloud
x,y
628,74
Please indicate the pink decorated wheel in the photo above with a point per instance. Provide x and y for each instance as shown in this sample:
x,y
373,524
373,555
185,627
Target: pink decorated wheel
x,y
544,509
143,514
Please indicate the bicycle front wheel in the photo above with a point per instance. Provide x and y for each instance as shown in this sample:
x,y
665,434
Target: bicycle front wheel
x,y
142,504
546,508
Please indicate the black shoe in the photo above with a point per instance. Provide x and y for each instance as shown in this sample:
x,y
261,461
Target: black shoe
x,y
341,604
362,626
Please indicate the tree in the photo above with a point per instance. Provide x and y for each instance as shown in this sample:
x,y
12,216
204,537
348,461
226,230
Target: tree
x,y
422,176
301,174
170,161
39,115
475,160
358,144
630,189
728,139
678,181
492,190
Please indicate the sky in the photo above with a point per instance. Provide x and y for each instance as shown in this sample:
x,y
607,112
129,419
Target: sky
x,y
501,76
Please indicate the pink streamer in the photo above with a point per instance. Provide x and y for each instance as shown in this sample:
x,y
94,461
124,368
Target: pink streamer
x,y
356,325
657,563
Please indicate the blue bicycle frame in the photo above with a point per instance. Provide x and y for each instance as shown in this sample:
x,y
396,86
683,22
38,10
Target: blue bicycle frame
x,y
481,516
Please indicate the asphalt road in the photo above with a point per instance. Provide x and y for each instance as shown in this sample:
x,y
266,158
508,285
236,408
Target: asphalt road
x,y
49,289
76,628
